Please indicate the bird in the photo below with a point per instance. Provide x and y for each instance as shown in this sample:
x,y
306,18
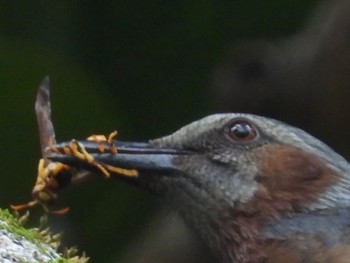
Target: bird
x,y
255,189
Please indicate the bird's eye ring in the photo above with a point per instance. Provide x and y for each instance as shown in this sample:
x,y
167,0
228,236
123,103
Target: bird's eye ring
x,y
242,131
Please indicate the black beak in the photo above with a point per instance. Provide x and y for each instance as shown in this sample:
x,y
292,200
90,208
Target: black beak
x,y
143,157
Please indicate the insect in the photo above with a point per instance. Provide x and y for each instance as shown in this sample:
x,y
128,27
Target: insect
x,y
50,178
53,176
112,150
78,150
101,138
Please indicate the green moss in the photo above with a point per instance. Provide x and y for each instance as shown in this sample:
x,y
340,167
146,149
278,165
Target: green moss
x,y
38,236
15,226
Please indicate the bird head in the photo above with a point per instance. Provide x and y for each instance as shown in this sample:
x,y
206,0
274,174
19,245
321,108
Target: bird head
x,y
229,175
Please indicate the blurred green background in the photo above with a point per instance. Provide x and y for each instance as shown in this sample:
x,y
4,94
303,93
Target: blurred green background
x,y
141,67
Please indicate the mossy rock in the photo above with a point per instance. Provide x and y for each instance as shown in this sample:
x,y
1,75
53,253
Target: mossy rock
x,y
20,244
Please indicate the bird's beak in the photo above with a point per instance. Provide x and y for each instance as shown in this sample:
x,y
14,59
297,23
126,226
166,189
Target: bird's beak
x,y
142,157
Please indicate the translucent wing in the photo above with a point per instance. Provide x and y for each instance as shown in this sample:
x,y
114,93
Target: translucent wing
x,y
43,115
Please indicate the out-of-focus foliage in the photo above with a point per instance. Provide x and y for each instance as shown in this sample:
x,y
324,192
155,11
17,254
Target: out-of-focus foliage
x,y
141,67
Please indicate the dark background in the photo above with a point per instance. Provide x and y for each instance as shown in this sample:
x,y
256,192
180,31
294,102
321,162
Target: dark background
x,y
146,68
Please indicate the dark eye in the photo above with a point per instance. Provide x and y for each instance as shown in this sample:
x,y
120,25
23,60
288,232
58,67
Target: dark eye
x,y
242,131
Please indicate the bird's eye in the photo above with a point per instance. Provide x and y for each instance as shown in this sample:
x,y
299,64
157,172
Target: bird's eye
x,y
241,131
